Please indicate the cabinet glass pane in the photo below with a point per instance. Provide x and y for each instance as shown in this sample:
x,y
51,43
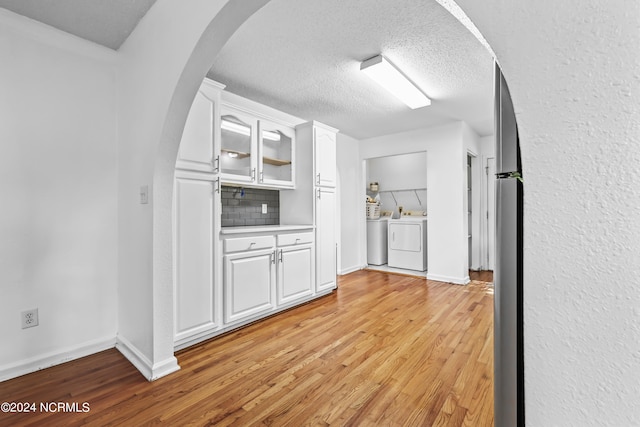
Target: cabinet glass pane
x,y
235,156
276,155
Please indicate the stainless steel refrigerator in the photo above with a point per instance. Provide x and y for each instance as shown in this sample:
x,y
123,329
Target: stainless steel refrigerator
x,y
508,321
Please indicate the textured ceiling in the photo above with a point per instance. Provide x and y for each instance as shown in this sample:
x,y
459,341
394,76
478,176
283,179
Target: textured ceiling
x,y
303,57
106,22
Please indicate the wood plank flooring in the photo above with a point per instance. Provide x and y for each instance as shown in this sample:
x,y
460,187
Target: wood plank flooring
x,y
383,350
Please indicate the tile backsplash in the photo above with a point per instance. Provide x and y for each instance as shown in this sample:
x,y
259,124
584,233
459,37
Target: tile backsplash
x,y
243,206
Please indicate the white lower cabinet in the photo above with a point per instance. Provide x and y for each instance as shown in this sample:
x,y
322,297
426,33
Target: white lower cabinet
x,y
296,271
267,272
249,284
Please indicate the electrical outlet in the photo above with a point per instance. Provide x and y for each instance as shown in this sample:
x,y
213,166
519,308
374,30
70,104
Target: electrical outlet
x,y
29,318
264,208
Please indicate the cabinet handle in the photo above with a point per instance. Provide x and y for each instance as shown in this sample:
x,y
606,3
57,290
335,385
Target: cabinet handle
x,y
297,240
273,257
218,185
280,255
253,174
216,164
261,176
318,179
319,194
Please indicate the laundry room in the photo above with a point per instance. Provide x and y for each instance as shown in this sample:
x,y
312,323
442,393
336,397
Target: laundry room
x,y
397,212
421,177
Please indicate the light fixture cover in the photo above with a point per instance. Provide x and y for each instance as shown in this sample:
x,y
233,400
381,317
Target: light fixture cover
x,y
235,127
393,80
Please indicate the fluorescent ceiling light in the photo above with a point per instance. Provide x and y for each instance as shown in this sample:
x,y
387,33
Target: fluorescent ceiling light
x,y
271,135
245,130
393,80
235,127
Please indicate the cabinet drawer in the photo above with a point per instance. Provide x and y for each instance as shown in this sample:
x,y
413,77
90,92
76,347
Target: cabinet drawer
x,y
248,243
294,239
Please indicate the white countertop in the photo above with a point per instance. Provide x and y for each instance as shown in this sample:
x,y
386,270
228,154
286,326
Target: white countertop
x,y
264,229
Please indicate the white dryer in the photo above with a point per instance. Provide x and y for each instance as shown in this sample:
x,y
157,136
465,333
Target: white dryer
x,y
407,241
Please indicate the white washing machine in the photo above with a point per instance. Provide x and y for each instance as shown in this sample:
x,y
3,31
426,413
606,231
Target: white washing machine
x,y
377,241
407,243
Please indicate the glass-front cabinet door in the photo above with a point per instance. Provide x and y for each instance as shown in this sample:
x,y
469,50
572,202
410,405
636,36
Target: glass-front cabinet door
x,y
238,141
276,154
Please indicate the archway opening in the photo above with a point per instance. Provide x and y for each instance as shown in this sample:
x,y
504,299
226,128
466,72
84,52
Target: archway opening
x,y
177,114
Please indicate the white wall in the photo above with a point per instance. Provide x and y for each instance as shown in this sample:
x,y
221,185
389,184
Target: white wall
x,y
58,220
405,175
447,246
351,207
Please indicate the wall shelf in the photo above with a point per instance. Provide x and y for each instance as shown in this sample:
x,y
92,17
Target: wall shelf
x,y
238,154
275,162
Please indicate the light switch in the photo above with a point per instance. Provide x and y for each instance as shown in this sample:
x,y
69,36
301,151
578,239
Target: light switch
x,y
264,208
144,194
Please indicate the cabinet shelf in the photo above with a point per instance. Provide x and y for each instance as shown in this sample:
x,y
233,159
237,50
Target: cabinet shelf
x,y
238,154
275,162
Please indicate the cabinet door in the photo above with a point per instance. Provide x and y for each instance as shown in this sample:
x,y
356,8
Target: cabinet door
x,y
325,239
249,284
238,144
295,273
325,157
197,144
276,154
196,308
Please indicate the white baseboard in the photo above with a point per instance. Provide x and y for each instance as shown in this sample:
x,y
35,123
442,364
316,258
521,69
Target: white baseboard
x,y
151,371
449,279
350,270
48,360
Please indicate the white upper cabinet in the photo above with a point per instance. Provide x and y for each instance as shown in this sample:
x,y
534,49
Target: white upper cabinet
x,y
325,157
275,163
257,144
238,146
199,146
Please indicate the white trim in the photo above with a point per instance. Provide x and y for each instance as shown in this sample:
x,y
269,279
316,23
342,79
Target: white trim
x,y
151,371
48,360
351,269
257,110
213,84
313,123
448,279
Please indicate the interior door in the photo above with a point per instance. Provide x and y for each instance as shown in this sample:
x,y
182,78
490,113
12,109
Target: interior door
x,y
491,215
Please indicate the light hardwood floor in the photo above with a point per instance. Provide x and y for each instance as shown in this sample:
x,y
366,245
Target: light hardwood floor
x,y
383,350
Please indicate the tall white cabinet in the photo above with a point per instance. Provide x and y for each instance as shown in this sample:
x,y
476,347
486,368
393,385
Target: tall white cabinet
x,y
315,196
196,224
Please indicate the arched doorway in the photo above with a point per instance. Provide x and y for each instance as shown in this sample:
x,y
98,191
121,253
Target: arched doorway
x,y
163,172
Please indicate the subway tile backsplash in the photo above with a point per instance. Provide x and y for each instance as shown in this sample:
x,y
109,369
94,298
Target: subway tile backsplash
x,y
243,206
